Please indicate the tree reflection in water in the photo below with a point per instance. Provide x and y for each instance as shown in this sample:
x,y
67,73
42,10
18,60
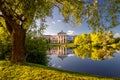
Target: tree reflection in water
x,y
88,51
94,53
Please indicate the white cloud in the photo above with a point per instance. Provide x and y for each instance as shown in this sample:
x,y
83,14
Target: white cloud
x,y
59,20
59,66
70,32
117,35
53,22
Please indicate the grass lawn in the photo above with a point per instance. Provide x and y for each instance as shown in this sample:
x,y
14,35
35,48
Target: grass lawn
x,y
70,45
29,71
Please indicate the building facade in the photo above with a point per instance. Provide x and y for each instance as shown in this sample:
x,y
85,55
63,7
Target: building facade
x,y
60,38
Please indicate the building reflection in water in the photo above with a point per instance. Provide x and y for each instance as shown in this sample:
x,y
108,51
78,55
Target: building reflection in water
x,y
61,52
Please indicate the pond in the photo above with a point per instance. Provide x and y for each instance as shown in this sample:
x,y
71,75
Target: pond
x,y
103,62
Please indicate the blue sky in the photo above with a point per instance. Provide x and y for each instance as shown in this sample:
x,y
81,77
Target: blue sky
x,y
56,24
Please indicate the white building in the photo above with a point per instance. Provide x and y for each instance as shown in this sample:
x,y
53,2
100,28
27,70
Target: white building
x,y
61,38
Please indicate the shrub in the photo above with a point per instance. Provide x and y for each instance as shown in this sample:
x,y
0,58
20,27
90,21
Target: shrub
x,y
36,50
5,44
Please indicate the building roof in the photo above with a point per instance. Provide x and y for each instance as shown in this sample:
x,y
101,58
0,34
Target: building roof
x,y
61,32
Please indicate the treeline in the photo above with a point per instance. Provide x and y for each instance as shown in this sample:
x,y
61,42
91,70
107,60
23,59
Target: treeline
x,y
97,39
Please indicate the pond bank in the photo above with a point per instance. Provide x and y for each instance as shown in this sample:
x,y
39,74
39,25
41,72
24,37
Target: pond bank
x,y
69,45
29,71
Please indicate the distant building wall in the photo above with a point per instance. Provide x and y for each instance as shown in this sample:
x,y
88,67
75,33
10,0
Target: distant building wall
x,y
61,38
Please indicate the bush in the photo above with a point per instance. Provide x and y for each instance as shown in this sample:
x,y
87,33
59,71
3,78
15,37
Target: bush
x,y
37,57
5,44
5,51
36,50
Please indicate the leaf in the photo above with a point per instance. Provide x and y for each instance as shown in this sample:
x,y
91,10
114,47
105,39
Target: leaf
x,y
1,25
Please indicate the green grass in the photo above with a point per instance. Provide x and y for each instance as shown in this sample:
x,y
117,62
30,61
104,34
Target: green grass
x,y
70,45
29,71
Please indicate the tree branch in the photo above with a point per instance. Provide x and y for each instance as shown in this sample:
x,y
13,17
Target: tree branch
x,y
1,16
19,17
17,5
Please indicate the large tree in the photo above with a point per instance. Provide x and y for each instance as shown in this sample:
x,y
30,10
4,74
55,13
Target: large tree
x,y
19,15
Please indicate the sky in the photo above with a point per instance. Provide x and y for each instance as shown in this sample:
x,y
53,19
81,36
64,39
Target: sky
x,y
56,24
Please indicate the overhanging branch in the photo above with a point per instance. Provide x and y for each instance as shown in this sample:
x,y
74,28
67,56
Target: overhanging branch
x,y
19,17
1,16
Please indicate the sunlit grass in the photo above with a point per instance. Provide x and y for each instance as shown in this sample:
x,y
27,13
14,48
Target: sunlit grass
x,y
30,71
69,45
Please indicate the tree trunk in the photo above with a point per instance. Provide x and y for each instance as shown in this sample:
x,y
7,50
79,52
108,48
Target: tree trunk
x,y
18,45
17,32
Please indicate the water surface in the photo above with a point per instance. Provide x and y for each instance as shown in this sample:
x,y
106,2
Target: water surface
x,y
99,62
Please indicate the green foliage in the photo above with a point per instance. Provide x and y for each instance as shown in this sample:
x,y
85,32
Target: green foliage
x,y
97,15
36,50
71,12
1,25
1,54
82,39
95,39
38,72
102,38
117,40
118,45
105,15
5,44
29,9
